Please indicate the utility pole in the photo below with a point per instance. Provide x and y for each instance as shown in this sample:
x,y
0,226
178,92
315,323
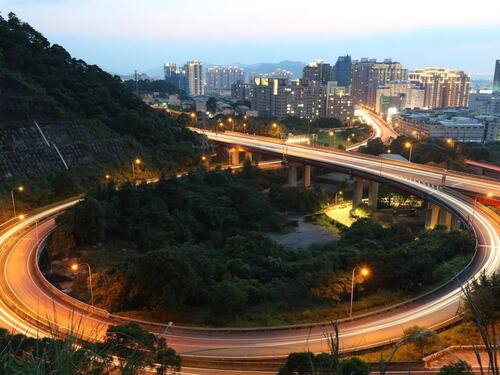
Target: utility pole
x,y
136,83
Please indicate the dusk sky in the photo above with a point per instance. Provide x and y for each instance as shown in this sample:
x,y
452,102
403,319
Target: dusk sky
x,y
123,35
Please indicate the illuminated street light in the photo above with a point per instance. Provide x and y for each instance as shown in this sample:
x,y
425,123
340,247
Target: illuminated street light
x,y
410,147
203,158
334,135
389,151
108,176
364,272
336,194
21,217
274,125
20,189
75,267
136,161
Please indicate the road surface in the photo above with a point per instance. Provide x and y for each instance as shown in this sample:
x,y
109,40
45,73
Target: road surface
x,y
30,306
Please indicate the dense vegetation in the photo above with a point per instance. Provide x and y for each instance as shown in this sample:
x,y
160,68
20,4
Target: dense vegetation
x,y
199,246
40,81
159,86
136,349
437,152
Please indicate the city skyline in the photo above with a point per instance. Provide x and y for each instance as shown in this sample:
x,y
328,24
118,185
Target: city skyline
x,y
99,34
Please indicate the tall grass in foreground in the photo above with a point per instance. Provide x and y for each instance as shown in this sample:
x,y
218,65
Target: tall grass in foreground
x,y
125,349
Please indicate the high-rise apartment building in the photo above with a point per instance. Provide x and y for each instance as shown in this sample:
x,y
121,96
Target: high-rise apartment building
x,y
220,78
342,71
268,96
443,87
176,77
194,72
280,98
368,75
338,103
317,71
496,77
485,102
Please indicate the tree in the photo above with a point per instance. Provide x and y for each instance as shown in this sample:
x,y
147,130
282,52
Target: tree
x,y
137,349
212,105
483,308
456,368
421,338
353,366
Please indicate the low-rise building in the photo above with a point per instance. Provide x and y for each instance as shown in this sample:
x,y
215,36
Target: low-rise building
x,y
460,125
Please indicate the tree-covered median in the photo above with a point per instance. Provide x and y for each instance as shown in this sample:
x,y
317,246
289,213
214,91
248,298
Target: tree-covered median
x,y
195,250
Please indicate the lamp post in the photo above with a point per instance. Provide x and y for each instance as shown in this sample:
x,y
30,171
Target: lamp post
x,y
20,189
334,135
410,147
364,272
75,267
135,162
336,194
165,333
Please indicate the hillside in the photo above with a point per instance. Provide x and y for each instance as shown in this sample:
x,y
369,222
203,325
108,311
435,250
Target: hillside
x,y
54,106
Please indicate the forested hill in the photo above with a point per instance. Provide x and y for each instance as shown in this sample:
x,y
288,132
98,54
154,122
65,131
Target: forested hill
x,y
55,107
40,81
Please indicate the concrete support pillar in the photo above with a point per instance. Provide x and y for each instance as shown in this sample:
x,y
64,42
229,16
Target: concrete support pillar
x,y
448,218
234,156
373,194
358,192
248,155
292,175
307,175
442,217
455,223
432,218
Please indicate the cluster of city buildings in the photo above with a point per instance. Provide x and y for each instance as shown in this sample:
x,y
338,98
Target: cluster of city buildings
x,y
478,120
431,102
454,124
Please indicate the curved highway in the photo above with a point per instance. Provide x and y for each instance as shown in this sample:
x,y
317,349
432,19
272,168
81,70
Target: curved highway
x,y
29,305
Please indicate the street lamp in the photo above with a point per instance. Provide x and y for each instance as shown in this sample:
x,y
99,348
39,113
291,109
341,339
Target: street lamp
x,y
135,162
410,147
336,194
75,267
364,272
230,120
389,151
334,135
20,189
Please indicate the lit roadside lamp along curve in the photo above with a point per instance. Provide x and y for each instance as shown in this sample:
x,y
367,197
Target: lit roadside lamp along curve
x,y
436,310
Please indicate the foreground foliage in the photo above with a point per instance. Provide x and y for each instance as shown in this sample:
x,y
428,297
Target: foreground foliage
x,y
135,349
